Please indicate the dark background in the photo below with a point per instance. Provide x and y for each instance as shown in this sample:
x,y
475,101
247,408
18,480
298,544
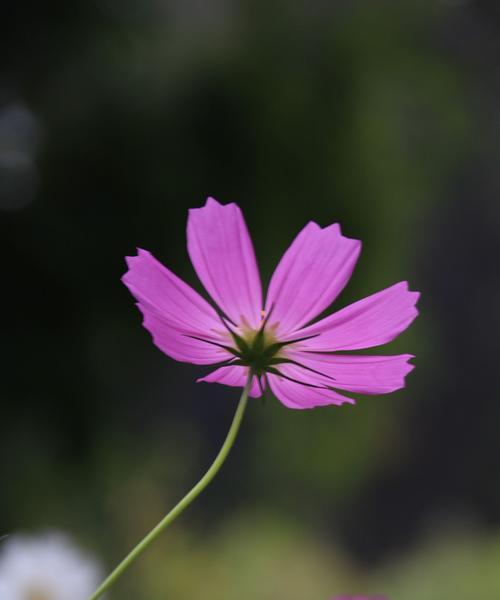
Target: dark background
x,y
115,118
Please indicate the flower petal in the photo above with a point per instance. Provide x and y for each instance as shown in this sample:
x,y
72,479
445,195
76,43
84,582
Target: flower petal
x,y
223,257
311,274
178,344
173,311
234,376
305,394
360,374
373,321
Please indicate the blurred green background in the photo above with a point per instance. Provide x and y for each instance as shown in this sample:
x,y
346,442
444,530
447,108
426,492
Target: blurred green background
x,y
115,118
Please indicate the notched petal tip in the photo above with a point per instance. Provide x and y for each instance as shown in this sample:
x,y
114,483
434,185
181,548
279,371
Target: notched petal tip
x,y
333,227
408,366
311,274
223,257
142,254
336,229
217,208
210,201
412,297
311,225
404,286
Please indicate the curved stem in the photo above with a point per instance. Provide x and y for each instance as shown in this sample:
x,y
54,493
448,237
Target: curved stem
x,y
186,501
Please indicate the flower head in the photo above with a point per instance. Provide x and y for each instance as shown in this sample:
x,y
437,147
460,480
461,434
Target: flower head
x,y
48,567
276,340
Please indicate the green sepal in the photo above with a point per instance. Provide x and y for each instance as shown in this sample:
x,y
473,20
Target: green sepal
x,y
228,348
275,347
280,361
239,363
240,342
258,342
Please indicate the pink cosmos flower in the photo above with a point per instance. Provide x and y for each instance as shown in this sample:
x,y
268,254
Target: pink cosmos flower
x,y
358,598
299,360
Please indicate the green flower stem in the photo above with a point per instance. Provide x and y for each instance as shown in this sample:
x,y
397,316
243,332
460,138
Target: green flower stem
x,y
186,501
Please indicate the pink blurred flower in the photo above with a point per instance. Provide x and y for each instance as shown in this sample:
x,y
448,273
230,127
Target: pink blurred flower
x,y
297,359
359,598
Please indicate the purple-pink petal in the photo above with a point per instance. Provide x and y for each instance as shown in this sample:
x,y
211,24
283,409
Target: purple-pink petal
x,y
174,313
234,376
305,394
223,257
177,344
311,274
373,321
361,374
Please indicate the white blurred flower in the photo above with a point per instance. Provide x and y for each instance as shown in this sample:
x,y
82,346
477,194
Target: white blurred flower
x,y
46,567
